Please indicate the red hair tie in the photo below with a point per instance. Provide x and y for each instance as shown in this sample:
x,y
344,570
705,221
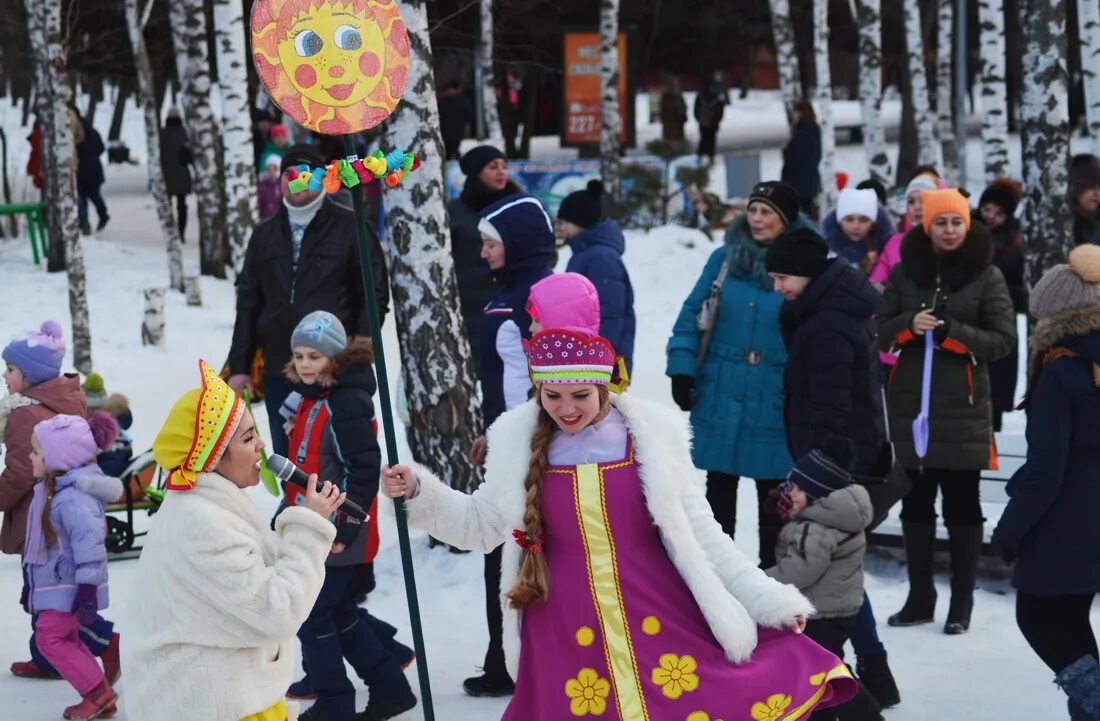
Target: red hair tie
x,y
526,542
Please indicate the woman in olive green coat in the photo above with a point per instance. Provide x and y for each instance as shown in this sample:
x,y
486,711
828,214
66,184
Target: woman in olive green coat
x,y
945,284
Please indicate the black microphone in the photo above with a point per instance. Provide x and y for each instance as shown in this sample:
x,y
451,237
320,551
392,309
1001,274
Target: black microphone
x,y
287,472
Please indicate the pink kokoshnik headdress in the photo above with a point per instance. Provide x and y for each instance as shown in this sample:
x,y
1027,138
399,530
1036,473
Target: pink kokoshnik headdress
x,y
558,355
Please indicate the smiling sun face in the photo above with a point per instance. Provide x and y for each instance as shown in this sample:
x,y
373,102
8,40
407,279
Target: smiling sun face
x,y
335,66
332,57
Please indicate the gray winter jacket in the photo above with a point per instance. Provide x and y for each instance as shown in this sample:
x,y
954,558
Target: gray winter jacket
x,y
820,551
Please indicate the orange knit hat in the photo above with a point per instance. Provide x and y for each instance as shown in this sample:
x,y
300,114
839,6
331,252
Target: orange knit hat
x,y
939,202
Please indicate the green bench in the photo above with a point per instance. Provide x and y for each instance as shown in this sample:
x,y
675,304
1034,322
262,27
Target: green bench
x,y
36,225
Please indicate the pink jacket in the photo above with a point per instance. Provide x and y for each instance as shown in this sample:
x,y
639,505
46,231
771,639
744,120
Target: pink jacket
x,y
566,300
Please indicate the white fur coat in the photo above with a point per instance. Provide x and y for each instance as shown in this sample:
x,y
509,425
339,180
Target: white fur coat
x,y
217,603
733,594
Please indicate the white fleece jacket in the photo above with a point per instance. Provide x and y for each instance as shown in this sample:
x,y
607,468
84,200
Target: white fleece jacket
x,y
734,595
217,602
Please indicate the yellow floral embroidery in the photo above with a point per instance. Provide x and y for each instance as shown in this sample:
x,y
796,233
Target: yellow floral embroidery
x,y
588,693
585,636
651,625
676,675
699,716
772,709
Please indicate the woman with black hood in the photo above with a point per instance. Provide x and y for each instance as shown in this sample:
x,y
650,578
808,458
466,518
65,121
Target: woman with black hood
x,y
487,181
517,244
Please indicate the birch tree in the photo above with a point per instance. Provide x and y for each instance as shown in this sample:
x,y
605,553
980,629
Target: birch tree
x,y
488,79
135,24
991,21
444,409
786,54
870,90
1044,131
188,21
823,94
610,122
54,98
928,152
236,130
945,35
1088,24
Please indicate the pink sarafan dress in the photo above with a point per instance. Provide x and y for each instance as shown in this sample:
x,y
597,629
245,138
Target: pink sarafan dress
x,y
621,638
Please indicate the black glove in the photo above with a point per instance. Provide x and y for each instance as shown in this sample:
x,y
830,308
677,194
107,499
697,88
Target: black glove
x,y
940,333
24,599
682,389
347,528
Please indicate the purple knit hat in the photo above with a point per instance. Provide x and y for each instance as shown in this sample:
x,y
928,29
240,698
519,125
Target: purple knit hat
x,y
67,442
38,354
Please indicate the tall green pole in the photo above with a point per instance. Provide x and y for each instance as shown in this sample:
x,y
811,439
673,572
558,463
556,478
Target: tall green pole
x,y
366,265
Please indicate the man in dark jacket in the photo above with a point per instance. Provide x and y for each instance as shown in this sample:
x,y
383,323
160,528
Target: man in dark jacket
x,y
89,177
300,260
834,393
1084,192
598,245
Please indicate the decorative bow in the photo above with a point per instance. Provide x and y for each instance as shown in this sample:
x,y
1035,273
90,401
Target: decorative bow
x,y
526,542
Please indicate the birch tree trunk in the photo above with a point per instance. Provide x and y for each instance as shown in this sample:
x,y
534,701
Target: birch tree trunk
x,y
786,54
444,408
54,96
991,21
53,183
236,130
870,90
823,94
193,66
945,36
135,23
488,78
1088,23
610,122
1044,130
928,150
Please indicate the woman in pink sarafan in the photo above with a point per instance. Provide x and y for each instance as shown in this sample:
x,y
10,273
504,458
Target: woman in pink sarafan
x,y
634,604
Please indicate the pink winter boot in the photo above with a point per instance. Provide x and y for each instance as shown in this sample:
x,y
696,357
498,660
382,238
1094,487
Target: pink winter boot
x,y
98,703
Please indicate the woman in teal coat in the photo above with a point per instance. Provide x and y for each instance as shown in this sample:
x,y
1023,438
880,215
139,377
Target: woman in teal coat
x,y
735,391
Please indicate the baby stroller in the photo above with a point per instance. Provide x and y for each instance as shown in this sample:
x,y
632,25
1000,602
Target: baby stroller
x,y
143,488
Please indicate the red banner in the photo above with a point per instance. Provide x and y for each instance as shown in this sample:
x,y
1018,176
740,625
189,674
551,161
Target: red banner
x,y
582,89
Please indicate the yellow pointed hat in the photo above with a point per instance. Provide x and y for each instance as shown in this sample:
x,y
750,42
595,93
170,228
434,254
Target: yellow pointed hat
x,y
197,430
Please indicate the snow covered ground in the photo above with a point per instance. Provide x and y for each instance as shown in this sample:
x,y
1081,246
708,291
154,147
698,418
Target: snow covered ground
x,y
988,673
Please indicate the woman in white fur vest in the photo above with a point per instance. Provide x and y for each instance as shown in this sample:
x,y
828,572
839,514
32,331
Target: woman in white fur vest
x,y
219,599
624,599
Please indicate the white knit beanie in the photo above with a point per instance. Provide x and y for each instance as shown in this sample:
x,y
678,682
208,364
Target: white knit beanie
x,y
857,202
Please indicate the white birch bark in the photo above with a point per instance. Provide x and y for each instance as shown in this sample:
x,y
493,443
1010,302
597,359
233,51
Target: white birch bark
x,y
870,90
236,128
823,95
928,151
1044,130
135,24
945,44
488,79
152,319
189,38
991,21
610,121
1088,24
54,96
786,54
444,409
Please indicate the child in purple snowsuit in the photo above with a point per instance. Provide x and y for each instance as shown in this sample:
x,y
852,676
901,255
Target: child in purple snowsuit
x,y
65,554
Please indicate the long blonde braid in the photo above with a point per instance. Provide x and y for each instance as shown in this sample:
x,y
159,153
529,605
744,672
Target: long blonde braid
x,y
533,582
50,479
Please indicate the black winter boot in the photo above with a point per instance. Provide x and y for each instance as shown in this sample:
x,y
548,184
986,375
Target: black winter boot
x,y
920,606
874,673
966,548
862,707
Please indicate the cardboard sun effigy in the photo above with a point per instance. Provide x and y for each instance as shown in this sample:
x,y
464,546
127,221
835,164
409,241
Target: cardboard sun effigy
x,y
334,66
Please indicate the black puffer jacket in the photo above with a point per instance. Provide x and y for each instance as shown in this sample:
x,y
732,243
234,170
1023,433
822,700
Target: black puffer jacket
x,y
348,449
832,377
966,290
273,295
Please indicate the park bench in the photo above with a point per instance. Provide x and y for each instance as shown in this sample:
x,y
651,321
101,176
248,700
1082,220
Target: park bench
x,y
36,225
